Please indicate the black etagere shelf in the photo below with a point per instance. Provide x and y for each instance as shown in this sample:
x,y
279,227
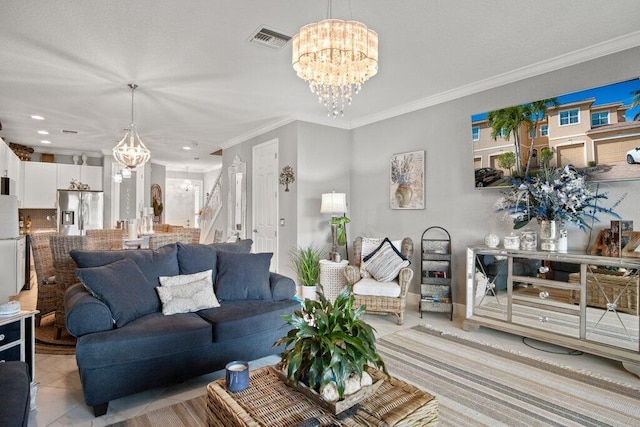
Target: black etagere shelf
x,y
435,285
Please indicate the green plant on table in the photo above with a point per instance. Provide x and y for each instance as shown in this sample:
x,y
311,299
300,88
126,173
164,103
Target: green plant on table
x,y
306,263
328,343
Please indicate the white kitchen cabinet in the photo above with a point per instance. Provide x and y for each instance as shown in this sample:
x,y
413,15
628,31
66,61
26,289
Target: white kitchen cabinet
x,y
12,267
67,173
40,185
90,175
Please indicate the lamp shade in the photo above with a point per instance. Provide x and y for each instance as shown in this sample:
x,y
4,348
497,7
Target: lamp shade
x,y
334,203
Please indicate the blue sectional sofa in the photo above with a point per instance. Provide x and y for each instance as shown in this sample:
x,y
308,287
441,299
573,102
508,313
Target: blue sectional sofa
x,y
125,344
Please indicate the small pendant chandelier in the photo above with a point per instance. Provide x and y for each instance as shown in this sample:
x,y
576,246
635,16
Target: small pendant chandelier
x,y
130,151
336,57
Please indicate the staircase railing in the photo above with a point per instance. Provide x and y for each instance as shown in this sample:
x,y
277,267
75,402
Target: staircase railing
x,y
210,212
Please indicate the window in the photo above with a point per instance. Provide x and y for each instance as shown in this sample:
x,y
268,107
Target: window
x,y
475,133
532,133
544,130
569,117
501,133
600,118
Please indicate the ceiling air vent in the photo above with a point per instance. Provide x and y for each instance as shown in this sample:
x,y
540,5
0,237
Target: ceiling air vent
x,y
269,38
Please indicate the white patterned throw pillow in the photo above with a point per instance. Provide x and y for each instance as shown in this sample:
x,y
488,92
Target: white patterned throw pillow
x,y
187,297
369,244
186,278
385,263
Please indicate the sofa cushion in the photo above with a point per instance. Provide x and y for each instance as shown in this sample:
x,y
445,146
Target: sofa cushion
x,y
384,263
153,263
196,257
187,297
370,286
147,337
236,319
243,276
122,286
243,246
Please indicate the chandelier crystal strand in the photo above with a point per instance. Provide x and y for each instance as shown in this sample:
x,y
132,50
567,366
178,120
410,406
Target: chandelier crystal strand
x,y
131,151
336,57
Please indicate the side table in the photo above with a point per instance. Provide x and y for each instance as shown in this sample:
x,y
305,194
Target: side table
x,y
332,277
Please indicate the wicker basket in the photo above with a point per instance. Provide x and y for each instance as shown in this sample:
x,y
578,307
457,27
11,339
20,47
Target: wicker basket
x,y
605,286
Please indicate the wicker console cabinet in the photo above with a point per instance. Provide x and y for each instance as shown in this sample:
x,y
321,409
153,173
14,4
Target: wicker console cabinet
x,y
595,310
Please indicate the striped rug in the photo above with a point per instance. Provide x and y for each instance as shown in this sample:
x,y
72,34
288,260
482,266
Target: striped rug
x,y
482,385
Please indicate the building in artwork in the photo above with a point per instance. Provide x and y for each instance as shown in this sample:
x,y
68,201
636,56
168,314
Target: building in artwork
x,y
580,133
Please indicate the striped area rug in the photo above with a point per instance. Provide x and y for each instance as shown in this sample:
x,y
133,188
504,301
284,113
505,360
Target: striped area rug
x,y
482,385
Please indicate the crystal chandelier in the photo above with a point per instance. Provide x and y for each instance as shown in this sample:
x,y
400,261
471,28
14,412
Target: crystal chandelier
x,y
336,57
187,185
130,151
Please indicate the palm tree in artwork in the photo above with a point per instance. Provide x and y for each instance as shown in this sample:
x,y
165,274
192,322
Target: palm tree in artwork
x,y
537,111
506,123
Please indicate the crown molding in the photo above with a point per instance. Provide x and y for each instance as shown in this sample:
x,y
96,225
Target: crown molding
x,y
579,56
258,131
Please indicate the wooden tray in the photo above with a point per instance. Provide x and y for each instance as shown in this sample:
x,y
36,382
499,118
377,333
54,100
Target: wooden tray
x,y
341,405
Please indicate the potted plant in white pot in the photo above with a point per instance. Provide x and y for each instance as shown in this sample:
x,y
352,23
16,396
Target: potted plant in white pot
x,y
330,349
306,263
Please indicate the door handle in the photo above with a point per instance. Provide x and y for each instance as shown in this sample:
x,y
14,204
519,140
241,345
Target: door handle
x,y
255,231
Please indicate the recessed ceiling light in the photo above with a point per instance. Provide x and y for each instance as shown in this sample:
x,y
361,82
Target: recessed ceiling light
x,y
186,148
43,132
37,117
45,141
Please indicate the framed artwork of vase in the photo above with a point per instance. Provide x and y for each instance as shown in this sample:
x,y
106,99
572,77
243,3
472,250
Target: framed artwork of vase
x,y
406,180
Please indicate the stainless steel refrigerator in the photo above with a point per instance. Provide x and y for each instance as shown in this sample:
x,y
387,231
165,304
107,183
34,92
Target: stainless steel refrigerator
x,y
79,211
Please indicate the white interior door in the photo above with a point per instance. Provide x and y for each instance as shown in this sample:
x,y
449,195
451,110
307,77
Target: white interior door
x,y
265,200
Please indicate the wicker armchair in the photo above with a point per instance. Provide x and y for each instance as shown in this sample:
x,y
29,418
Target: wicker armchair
x,y
65,275
376,304
45,273
105,240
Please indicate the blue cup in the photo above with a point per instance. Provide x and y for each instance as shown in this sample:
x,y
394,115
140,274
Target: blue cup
x,y
237,375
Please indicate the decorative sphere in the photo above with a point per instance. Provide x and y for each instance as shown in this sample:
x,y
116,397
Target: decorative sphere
x,y
492,240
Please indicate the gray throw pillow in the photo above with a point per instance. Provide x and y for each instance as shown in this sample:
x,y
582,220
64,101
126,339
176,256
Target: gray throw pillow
x,y
153,263
385,263
123,288
197,257
243,276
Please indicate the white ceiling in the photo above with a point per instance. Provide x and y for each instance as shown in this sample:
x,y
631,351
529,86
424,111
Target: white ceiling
x,y
203,85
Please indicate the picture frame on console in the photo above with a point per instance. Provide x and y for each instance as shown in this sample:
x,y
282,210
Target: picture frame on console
x,y
406,180
597,130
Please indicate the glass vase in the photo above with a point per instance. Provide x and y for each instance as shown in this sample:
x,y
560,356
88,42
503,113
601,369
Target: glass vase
x,y
549,234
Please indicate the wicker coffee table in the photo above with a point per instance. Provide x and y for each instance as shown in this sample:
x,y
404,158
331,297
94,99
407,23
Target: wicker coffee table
x,y
270,402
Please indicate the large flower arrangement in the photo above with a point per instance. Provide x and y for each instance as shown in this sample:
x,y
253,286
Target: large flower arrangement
x,y
554,194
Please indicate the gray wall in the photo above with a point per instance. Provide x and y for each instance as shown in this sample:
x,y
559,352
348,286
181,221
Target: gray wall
x,y
444,132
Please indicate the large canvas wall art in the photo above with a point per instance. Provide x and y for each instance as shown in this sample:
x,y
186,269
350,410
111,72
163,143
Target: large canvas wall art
x,y
596,130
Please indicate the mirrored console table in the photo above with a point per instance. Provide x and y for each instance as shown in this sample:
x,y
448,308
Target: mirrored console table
x,y
588,303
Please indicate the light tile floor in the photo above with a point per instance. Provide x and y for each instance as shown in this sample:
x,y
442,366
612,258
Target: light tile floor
x,y
60,402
